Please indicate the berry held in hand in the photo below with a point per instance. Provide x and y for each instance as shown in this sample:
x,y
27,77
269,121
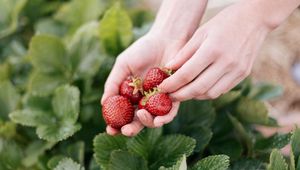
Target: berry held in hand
x,y
117,111
154,77
131,88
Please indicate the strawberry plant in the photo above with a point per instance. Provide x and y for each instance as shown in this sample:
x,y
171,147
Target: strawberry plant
x,y
55,56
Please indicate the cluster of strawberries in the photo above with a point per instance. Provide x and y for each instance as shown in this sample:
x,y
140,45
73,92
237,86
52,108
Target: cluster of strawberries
x,y
134,92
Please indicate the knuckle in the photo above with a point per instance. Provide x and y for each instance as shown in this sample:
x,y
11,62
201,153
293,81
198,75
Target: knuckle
x,y
230,62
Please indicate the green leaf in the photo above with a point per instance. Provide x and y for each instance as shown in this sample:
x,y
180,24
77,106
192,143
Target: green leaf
x,y
76,151
115,30
9,99
10,155
216,162
277,141
53,162
226,99
180,165
68,164
65,103
57,132
252,111
298,165
29,117
104,144
7,129
85,53
244,135
41,84
265,91
277,161
295,143
228,146
4,72
145,142
248,164
34,150
48,54
126,161
77,12
50,26
169,149
292,161
9,16
33,102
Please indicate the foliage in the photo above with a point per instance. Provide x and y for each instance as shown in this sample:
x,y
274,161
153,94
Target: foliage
x,y
55,56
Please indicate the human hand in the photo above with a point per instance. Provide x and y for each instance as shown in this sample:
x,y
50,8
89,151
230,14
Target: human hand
x,y
147,52
218,56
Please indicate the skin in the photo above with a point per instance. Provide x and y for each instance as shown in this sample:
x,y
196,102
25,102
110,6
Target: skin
x,y
209,60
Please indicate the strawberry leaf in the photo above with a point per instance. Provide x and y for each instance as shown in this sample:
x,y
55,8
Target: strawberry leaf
x,y
277,161
104,144
48,54
170,149
115,30
276,141
10,155
252,111
126,161
145,142
295,143
226,99
68,164
180,165
216,162
228,146
9,99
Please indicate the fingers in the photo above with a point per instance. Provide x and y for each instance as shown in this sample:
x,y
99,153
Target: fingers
x,y
112,131
146,118
119,72
190,70
161,120
133,128
202,84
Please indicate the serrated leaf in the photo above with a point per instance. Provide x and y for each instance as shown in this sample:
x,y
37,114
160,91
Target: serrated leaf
x,y
53,162
9,99
227,99
104,144
48,54
244,135
228,146
34,150
84,51
169,149
277,161
265,91
180,165
10,155
115,30
277,141
31,117
77,12
65,103
126,161
41,84
295,143
9,16
68,164
248,164
145,142
57,132
252,111
216,162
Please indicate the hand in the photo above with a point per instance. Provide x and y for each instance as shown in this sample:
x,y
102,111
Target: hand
x,y
149,51
218,56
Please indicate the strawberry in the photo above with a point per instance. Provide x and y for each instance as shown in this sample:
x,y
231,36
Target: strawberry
x,y
131,88
117,111
158,104
154,77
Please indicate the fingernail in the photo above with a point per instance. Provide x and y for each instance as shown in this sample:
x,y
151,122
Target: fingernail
x,y
158,124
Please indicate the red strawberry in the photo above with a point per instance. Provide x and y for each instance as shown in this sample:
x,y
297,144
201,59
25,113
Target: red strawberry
x,y
117,111
142,103
154,77
131,88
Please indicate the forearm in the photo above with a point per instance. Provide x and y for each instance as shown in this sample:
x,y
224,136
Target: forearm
x,y
272,12
179,18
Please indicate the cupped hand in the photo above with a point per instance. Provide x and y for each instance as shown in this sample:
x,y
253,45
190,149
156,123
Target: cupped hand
x,y
147,52
218,56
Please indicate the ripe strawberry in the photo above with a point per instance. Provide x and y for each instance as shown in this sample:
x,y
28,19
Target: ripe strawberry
x,y
158,104
131,88
117,111
154,77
